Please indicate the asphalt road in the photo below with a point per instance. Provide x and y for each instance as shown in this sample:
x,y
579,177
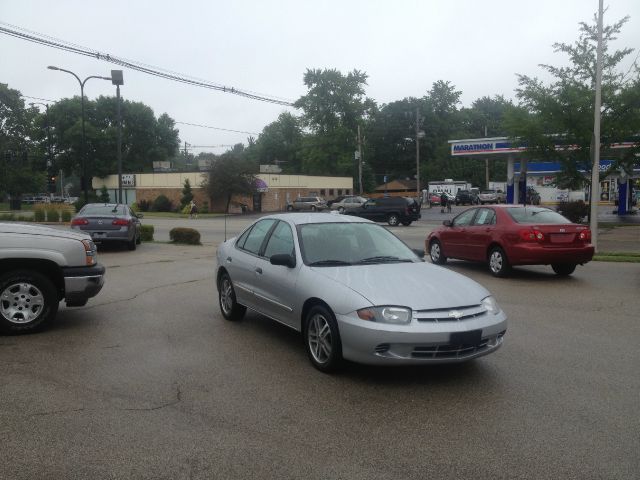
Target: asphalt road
x,y
149,381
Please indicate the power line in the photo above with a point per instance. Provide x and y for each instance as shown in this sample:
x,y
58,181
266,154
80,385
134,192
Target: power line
x,y
217,128
41,39
38,98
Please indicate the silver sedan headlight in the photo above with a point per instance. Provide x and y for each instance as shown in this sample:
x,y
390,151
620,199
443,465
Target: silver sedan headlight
x,y
386,314
491,305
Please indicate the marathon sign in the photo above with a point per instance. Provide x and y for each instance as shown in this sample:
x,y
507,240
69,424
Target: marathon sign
x,y
483,148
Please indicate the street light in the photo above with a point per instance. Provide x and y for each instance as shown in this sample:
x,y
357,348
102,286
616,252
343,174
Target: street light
x,y
117,80
84,148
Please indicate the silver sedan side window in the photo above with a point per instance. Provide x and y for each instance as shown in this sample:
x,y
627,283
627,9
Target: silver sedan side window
x,y
256,236
281,241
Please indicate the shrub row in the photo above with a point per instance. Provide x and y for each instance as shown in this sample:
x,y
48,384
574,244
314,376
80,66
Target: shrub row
x,y
163,204
53,213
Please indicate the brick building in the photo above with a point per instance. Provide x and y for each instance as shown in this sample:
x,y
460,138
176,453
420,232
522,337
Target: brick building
x,y
274,190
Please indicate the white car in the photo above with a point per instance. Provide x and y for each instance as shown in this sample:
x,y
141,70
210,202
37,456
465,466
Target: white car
x,y
356,292
348,202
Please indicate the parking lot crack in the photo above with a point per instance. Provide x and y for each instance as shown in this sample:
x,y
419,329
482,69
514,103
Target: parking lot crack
x,y
177,400
56,412
143,292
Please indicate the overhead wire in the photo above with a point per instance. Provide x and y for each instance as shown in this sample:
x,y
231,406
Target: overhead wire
x,y
35,37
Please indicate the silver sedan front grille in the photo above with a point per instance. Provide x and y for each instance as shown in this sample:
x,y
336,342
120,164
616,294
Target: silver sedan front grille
x,y
450,314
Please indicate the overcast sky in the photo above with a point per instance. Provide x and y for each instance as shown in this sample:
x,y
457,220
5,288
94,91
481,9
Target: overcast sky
x,y
266,46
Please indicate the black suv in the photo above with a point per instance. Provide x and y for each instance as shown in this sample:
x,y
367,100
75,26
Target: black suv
x,y
466,196
393,210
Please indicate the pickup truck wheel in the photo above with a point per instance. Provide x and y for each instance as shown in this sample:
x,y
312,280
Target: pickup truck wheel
x,y
393,219
27,300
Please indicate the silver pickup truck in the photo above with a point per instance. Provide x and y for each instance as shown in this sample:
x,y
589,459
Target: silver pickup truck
x,y
39,267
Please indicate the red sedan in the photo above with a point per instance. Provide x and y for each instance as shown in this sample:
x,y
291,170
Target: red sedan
x,y
508,235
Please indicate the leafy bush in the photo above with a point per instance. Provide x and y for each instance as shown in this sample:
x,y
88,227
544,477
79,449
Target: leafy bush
x,y
146,233
143,205
161,204
189,236
575,211
39,214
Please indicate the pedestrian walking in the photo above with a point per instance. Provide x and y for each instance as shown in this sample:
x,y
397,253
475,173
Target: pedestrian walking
x,y
444,202
193,210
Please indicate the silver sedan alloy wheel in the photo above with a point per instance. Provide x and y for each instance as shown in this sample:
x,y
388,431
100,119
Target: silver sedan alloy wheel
x,y
21,303
319,338
226,296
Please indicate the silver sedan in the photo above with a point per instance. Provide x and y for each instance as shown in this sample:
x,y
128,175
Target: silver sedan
x,y
356,292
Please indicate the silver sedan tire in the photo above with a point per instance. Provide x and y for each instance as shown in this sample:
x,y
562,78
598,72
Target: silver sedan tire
x,y
322,339
230,308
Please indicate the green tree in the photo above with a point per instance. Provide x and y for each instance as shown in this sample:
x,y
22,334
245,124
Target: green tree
x,y
187,194
145,139
104,195
231,174
22,168
332,109
561,112
280,144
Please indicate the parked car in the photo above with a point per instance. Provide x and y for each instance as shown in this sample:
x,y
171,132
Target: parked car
x,y
436,197
39,267
393,210
504,236
466,197
307,203
348,202
109,223
334,200
491,196
355,292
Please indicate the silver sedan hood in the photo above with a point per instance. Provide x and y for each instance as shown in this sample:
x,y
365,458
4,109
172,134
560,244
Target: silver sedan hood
x,y
418,285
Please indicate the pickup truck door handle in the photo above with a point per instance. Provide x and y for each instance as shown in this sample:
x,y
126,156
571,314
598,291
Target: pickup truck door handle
x,y
259,271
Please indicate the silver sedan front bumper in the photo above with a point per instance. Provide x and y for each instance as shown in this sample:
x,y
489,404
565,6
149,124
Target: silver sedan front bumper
x,y
420,342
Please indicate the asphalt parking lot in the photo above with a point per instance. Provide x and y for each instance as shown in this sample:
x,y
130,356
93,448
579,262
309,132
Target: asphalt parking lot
x,y
149,381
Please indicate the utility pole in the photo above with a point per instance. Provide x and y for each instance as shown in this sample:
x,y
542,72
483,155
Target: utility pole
x,y
486,162
418,154
360,161
595,168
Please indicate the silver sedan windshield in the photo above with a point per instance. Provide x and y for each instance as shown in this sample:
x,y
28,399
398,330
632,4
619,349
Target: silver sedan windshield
x,y
332,244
